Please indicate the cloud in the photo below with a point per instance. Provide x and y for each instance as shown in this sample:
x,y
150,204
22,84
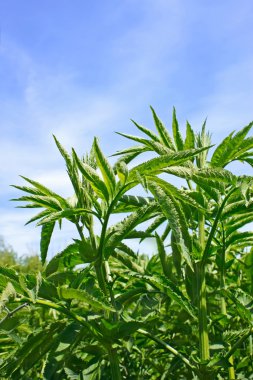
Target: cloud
x,y
143,53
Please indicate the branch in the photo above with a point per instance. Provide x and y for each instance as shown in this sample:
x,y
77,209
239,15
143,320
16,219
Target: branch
x,y
169,348
12,312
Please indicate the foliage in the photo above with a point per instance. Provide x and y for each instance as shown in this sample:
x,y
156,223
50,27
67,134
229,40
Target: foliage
x,y
101,310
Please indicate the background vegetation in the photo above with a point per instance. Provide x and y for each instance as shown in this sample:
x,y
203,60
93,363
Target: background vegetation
x,y
100,309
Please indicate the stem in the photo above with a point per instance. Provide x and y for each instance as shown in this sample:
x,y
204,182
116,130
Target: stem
x,y
202,316
202,308
170,349
231,369
10,313
114,362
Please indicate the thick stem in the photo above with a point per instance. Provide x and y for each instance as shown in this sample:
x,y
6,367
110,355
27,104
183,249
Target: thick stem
x,y
231,369
114,363
202,308
202,315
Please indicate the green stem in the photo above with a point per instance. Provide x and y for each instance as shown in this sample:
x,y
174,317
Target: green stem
x,y
231,369
202,307
114,363
170,349
202,314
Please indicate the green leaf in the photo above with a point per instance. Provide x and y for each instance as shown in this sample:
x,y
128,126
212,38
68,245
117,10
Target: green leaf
x,y
172,290
68,258
91,175
43,190
147,131
242,301
190,137
229,149
175,217
163,133
157,164
162,255
82,295
46,233
120,329
119,231
32,351
176,134
7,293
68,213
41,201
105,167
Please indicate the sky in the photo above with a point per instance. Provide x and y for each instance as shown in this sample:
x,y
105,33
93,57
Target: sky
x,y
79,69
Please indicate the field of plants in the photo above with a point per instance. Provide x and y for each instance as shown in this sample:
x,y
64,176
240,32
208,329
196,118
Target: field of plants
x,y
101,309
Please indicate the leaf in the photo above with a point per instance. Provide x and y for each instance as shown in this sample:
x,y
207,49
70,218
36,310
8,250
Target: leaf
x,y
41,201
149,144
82,295
148,132
43,190
46,233
128,261
32,351
180,195
68,213
172,290
190,138
40,215
64,153
176,134
119,231
105,167
7,293
132,150
160,219
91,175
242,301
175,217
120,329
176,255
163,133
68,258
157,164
229,149
162,255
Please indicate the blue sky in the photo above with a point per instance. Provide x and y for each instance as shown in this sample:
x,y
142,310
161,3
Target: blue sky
x,y
79,69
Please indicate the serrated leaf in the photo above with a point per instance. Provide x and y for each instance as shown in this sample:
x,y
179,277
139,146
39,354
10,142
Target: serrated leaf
x,y
41,201
176,134
229,148
163,133
69,257
91,175
173,291
162,255
68,213
7,293
190,137
82,295
157,164
147,131
175,217
46,234
105,168
120,230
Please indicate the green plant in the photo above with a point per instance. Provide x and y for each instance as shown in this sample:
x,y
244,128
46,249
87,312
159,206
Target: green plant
x,y
125,315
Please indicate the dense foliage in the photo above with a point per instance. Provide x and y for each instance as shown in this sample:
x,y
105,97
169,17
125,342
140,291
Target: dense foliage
x,y
101,309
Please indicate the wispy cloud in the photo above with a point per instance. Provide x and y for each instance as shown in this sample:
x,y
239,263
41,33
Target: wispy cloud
x,y
89,81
